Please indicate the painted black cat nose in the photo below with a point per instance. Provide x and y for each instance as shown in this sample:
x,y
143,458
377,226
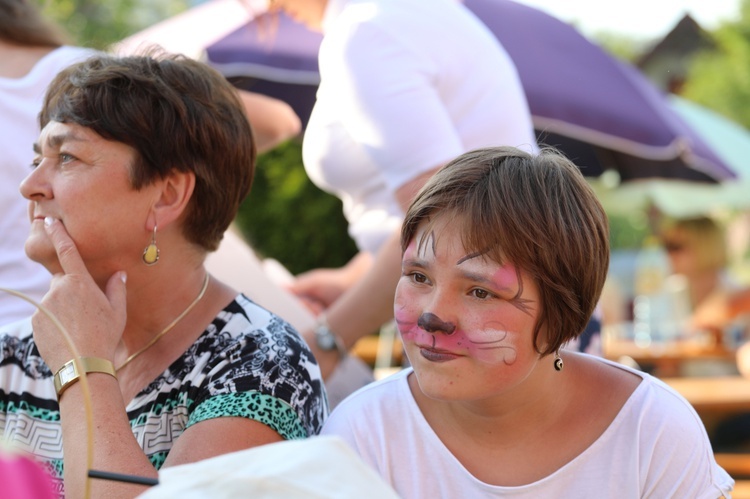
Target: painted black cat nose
x,y
432,324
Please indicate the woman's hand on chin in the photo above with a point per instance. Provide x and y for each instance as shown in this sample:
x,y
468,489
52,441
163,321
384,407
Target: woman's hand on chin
x,y
94,320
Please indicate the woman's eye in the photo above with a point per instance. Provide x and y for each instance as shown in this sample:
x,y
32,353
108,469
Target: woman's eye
x,y
66,158
35,162
481,293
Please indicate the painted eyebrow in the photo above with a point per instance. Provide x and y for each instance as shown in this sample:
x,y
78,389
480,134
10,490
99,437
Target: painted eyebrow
x,y
472,275
522,304
479,277
468,257
484,280
415,262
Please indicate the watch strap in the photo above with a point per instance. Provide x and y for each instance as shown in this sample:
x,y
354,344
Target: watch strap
x,y
69,374
323,330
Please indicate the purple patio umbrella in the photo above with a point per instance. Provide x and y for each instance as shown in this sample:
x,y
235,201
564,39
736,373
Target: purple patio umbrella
x,y
603,113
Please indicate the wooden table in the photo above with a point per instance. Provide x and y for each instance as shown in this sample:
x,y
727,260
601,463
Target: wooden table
x,y
714,398
717,394
667,359
741,489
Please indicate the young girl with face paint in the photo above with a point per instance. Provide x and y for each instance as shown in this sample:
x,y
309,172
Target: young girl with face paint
x,y
504,257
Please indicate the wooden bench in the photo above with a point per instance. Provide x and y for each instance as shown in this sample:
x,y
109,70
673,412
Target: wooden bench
x,y
741,489
367,349
737,465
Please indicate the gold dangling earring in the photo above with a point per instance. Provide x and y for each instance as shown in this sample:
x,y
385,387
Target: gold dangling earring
x,y
151,253
558,362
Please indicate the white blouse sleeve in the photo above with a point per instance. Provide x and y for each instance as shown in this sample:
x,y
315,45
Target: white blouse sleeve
x,y
388,100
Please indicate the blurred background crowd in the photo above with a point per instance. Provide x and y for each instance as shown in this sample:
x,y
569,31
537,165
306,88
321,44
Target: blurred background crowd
x,y
679,213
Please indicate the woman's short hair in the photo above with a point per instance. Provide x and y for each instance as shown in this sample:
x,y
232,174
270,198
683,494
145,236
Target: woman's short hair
x,y
178,114
536,212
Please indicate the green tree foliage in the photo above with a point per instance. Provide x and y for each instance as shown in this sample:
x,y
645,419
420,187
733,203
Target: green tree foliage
x,y
720,79
99,23
288,218
627,231
621,46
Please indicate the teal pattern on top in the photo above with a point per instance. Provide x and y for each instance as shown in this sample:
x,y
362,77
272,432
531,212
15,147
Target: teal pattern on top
x,y
247,363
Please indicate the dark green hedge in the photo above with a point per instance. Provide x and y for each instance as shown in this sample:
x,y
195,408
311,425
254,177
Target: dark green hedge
x,y
288,218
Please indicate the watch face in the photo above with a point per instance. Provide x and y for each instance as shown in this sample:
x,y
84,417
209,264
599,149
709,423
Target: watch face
x,y
67,373
325,340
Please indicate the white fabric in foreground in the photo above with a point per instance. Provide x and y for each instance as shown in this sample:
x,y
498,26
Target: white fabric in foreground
x,y
318,467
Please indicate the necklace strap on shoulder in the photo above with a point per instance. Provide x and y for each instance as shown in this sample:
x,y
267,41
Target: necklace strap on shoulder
x,y
170,326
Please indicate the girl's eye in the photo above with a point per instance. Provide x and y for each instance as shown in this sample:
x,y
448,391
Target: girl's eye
x,y
420,278
481,293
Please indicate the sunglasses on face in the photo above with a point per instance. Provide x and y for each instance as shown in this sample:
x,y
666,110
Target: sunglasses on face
x,y
673,246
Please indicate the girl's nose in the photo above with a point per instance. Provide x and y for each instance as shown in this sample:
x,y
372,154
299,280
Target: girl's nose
x,y
433,324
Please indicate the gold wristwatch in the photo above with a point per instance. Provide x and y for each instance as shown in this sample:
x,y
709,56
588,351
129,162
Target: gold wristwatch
x,y
69,374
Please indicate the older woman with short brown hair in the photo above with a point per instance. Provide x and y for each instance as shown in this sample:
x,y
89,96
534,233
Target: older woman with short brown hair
x,y
140,167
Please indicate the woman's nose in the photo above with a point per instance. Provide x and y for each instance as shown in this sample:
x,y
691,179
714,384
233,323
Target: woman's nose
x,y
433,324
35,185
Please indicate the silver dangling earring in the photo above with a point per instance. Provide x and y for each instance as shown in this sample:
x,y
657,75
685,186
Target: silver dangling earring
x,y
151,253
558,362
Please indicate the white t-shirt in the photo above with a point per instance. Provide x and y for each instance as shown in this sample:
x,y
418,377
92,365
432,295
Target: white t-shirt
x,y
20,103
655,448
406,86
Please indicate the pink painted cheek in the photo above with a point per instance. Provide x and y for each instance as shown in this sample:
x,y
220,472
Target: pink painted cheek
x,y
506,277
406,308
406,322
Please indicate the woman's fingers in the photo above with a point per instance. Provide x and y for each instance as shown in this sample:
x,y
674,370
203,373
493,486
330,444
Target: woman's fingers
x,y
67,253
94,319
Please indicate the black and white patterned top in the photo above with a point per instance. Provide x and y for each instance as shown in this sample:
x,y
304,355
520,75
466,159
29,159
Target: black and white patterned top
x,y
247,363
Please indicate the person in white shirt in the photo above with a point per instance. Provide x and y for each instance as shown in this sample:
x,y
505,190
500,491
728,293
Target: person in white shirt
x,y
406,85
32,51
505,254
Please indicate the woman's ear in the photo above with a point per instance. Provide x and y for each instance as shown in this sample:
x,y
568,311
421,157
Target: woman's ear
x,y
175,193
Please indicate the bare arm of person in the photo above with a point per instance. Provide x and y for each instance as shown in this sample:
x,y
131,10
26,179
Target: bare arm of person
x,y
95,321
115,447
368,303
273,121
719,310
319,288
217,436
